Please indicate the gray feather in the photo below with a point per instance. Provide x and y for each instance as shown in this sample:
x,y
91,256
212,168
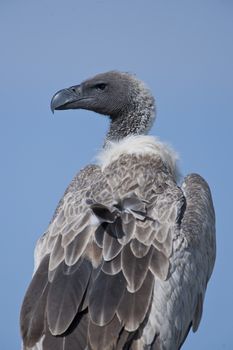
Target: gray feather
x,y
111,246
99,235
104,213
33,308
50,342
139,249
104,337
134,269
75,249
134,306
65,296
105,297
57,254
159,264
75,227
112,267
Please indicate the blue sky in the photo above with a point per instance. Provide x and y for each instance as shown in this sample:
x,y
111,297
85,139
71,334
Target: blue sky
x,y
182,49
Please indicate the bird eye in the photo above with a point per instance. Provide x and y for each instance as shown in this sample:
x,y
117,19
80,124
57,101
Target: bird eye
x,y
100,86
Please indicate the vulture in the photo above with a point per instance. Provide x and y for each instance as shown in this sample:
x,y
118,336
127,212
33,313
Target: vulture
x,y
126,259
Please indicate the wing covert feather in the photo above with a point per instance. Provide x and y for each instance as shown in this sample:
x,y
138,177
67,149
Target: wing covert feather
x,y
134,306
65,295
105,297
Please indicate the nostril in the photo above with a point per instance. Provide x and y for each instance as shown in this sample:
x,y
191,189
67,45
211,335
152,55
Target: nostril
x,y
75,89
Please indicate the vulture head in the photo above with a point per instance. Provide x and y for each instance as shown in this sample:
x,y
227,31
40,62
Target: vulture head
x,y
121,96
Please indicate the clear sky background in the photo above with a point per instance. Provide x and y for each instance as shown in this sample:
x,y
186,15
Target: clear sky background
x,y
183,50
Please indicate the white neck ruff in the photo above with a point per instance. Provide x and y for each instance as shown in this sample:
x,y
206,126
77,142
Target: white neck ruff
x,y
139,144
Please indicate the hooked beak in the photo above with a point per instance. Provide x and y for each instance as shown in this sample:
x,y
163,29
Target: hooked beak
x,y
66,99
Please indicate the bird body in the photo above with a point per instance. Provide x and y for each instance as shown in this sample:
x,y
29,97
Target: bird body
x,y
126,259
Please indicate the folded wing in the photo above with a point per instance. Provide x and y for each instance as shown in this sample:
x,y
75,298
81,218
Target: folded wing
x,y
111,237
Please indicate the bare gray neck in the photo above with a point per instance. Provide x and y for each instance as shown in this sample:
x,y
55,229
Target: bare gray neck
x,y
136,121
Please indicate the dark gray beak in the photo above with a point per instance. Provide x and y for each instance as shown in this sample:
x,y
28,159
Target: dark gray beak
x,y
66,98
